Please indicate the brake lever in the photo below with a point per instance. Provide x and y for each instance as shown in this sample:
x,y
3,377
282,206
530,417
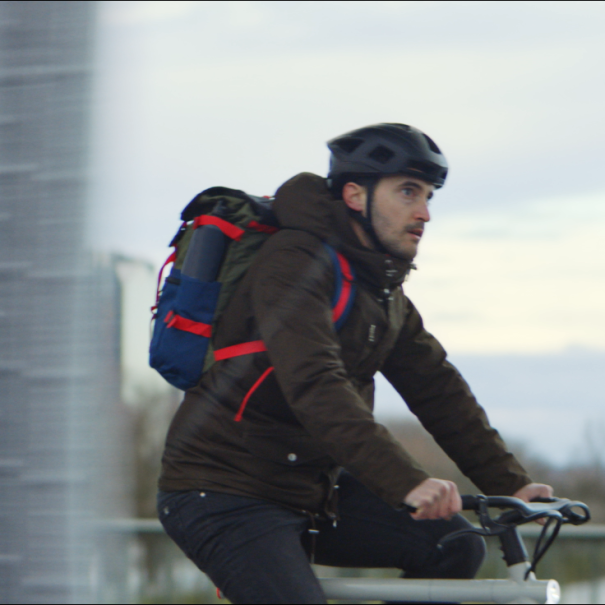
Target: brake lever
x,y
514,517
570,516
489,526
567,512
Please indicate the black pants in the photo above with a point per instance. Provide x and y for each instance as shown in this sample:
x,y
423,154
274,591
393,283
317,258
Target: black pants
x,y
258,552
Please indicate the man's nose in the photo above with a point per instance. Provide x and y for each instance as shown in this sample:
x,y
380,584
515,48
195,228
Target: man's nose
x,y
422,213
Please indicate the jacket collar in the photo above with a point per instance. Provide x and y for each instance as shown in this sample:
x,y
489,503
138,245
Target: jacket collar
x,y
304,202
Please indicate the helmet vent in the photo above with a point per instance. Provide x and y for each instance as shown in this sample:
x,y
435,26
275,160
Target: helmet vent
x,y
427,169
381,154
349,144
432,144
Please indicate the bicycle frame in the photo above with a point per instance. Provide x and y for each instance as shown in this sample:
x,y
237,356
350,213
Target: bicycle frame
x,y
513,590
520,587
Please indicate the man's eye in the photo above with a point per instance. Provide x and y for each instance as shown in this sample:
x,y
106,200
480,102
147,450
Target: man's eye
x,y
408,191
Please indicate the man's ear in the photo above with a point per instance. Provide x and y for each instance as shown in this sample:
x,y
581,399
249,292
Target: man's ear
x,y
354,196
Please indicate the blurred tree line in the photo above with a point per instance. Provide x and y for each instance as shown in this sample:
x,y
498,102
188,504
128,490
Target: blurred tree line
x,y
582,479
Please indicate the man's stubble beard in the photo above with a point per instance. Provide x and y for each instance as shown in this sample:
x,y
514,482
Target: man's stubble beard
x,y
392,246
399,252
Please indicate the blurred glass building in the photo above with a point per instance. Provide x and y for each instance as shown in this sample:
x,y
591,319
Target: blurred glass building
x,y
59,308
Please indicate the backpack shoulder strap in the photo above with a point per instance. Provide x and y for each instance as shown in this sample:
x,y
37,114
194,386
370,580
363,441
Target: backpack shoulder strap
x,y
342,301
344,287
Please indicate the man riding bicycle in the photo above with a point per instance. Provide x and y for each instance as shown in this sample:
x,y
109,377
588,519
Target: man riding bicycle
x,y
305,473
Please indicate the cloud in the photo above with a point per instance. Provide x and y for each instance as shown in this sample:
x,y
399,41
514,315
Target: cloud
x,y
509,120
508,280
546,401
262,26
121,13
246,94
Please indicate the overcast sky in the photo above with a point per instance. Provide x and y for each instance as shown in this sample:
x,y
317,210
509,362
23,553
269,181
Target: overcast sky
x,y
245,94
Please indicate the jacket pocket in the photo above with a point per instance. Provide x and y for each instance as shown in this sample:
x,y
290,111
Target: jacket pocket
x,y
183,329
285,447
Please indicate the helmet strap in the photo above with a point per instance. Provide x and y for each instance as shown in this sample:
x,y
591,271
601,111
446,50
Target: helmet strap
x,y
366,221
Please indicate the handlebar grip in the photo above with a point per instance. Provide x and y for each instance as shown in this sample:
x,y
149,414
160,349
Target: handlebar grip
x,y
469,503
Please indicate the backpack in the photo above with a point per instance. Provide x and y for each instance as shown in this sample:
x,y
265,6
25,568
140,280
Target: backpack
x,y
221,233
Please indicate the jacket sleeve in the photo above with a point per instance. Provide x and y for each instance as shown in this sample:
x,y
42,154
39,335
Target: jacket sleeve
x,y
442,400
291,304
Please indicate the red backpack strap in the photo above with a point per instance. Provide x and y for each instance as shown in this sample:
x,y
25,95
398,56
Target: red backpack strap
x,y
242,407
228,229
262,228
188,325
342,301
245,348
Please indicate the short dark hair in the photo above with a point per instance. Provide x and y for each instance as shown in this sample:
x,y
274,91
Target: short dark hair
x,y
336,185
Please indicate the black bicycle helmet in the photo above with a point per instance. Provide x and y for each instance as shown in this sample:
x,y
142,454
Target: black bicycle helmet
x,y
382,150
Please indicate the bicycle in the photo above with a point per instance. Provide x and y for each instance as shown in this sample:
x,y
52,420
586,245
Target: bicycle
x,y
521,585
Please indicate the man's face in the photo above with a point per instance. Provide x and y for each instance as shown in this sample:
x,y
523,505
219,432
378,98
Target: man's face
x,y
399,213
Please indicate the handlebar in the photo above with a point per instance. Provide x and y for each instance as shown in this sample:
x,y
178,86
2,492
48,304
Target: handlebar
x,y
520,512
556,512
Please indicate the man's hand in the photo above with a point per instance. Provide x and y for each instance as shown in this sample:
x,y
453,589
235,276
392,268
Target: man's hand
x,y
434,499
534,490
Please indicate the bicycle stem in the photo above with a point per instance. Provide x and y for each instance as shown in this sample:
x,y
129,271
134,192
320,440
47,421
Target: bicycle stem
x,y
512,547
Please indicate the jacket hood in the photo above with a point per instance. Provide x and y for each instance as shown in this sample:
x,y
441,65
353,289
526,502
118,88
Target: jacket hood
x,y
304,202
